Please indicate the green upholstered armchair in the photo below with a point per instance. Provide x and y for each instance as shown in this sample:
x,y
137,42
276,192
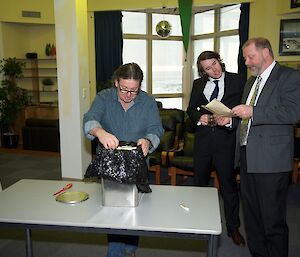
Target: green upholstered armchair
x,y
159,156
181,162
179,116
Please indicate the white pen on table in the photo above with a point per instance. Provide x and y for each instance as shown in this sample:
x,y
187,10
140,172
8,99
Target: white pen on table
x,y
184,207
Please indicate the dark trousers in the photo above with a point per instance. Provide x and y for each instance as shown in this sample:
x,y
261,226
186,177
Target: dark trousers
x,y
121,245
264,208
126,239
208,152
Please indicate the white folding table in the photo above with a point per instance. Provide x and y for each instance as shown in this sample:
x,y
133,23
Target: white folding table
x,y
181,211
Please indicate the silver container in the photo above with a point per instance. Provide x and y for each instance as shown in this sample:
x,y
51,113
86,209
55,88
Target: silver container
x,y
119,195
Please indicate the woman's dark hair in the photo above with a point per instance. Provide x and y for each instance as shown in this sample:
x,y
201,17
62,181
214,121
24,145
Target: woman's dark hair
x,y
205,56
128,71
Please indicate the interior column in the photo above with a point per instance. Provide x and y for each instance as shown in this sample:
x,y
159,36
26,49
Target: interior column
x,y
71,31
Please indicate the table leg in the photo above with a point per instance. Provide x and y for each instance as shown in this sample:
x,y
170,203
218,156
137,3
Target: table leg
x,y
28,243
212,246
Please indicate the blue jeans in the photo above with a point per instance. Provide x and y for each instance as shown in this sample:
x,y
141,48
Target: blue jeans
x,y
121,245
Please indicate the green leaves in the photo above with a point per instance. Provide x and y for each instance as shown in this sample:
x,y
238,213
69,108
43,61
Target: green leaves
x,y
11,67
12,98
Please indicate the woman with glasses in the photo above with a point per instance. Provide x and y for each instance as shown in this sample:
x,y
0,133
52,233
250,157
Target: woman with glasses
x,y
124,113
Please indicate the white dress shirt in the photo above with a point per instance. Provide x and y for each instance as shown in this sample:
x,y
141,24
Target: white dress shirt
x,y
210,86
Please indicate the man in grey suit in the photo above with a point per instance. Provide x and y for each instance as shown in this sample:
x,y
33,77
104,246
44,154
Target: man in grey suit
x,y
271,107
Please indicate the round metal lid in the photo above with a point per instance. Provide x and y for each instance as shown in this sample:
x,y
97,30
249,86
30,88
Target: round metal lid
x,y
72,197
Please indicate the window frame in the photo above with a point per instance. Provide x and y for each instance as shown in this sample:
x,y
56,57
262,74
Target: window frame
x,y
217,34
188,58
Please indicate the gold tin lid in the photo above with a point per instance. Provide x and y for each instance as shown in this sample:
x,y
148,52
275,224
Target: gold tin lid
x,y
72,197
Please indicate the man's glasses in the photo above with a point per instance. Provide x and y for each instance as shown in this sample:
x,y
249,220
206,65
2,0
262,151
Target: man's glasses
x,y
125,91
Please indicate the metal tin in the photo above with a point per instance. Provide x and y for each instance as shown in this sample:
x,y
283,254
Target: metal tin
x,y
72,197
119,195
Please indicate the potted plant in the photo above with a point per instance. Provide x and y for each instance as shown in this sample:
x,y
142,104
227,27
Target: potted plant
x,y
12,99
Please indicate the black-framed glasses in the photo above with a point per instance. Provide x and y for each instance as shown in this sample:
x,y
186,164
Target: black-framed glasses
x,y
125,91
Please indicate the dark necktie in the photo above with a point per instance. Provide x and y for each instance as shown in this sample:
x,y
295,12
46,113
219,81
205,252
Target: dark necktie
x,y
245,122
215,92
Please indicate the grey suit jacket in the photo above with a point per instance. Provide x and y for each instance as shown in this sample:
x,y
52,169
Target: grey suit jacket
x,y
270,146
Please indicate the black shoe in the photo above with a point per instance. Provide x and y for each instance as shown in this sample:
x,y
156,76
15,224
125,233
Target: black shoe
x,y
236,237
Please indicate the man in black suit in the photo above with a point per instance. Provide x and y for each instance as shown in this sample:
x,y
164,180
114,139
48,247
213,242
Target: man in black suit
x,y
271,107
215,145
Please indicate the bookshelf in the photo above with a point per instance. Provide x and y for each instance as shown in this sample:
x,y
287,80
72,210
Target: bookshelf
x,y
40,79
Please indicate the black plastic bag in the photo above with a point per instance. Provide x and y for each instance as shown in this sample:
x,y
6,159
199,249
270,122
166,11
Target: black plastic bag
x,y
122,166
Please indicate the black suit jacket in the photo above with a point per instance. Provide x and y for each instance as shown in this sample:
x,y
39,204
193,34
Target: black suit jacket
x,y
233,90
233,83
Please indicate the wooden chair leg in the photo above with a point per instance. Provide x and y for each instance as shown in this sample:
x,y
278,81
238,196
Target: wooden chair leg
x,y
157,175
156,170
172,174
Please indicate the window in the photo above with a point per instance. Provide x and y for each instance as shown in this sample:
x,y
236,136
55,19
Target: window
x,y
200,46
135,51
162,59
166,67
230,17
220,34
204,22
130,24
171,102
229,46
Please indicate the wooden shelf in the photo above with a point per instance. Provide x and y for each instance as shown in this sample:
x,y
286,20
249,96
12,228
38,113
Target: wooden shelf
x,y
36,70
41,68
37,77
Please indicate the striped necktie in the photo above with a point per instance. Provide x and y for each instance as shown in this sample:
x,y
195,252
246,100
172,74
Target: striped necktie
x,y
245,122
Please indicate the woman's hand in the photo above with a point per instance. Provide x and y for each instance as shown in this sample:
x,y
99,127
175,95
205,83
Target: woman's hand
x,y
145,144
222,121
205,119
109,141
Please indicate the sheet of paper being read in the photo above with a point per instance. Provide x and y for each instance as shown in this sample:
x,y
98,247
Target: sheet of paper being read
x,y
216,107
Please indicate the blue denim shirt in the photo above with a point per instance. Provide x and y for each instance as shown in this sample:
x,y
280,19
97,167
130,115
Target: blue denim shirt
x,y
141,120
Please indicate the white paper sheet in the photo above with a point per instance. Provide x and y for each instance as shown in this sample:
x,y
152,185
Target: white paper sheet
x,y
216,107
